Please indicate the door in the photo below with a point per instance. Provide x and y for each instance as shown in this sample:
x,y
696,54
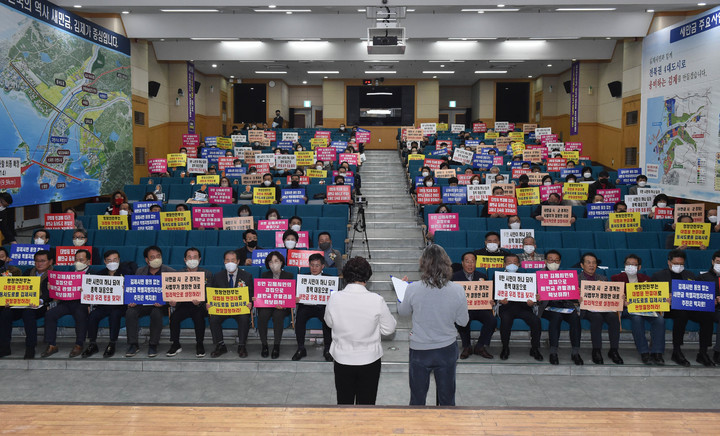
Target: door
x,y
299,120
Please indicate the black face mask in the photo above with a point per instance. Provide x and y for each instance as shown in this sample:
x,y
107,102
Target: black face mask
x,y
251,244
294,183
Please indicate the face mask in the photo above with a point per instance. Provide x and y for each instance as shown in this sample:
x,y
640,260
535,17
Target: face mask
x,y
295,227
553,266
587,175
112,266
571,181
319,167
155,263
511,267
661,204
192,263
713,219
294,183
79,266
324,246
2,208
716,268
500,181
39,241
230,267
275,267
529,249
251,244
267,182
547,183
514,226
491,246
225,184
290,244
677,269
425,173
428,184
118,201
641,184
79,242
123,212
476,182
631,270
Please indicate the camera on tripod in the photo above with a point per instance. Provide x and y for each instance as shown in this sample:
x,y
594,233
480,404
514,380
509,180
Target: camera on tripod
x,y
361,200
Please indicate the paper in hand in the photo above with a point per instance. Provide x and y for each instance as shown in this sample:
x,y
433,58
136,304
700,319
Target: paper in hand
x,y
400,287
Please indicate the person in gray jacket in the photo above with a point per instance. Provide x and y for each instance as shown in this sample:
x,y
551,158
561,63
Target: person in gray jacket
x,y
436,305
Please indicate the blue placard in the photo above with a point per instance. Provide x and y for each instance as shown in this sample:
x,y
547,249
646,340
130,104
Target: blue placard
x,y
483,161
144,206
486,150
627,176
472,142
454,194
211,141
24,254
564,172
419,180
349,180
599,210
212,154
293,196
692,295
441,152
339,146
285,145
143,290
145,221
259,255
231,172
518,164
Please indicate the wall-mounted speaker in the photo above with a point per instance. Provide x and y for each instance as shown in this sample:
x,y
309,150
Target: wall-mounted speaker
x,y
197,87
615,88
153,88
568,86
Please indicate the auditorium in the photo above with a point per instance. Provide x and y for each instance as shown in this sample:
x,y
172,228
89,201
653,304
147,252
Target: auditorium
x,y
333,217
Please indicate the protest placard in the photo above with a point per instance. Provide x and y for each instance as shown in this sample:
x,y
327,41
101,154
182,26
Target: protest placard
x,y
515,286
527,196
463,156
338,193
315,290
599,210
175,160
207,217
238,223
303,240
534,155
220,195
112,222
557,285
648,297
207,179
59,221
609,195
443,221
489,262
292,196
695,210
64,285
24,254
541,131
479,127
259,255
628,176
274,293
19,291
454,194
641,204
532,264
237,139
105,290
663,213
143,290
558,216
478,192
301,258
263,195
433,164
304,158
692,234
280,224
157,165
225,162
197,165
508,189
65,256
502,204
228,301
176,220
190,139
429,195
479,294
624,222
362,135
145,206
602,296
251,179
545,191
427,129
290,136
350,158
414,135
444,174
693,295
575,191
183,286
513,239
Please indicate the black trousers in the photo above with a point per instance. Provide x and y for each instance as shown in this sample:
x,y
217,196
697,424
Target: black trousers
x,y
114,314
519,310
597,319
278,319
29,317
680,319
556,319
184,311
243,322
489,323
357,384
303,314
79,313
132,322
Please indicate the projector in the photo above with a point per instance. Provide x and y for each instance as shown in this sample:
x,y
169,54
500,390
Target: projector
x,y
386,40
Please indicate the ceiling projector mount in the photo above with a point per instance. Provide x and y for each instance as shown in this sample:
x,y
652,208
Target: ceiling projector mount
x,y
387,37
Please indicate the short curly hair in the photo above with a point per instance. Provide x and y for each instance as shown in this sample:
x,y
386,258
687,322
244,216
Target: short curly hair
x,y
357,270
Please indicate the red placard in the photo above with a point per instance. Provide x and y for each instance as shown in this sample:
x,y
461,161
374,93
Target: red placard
x,y
271,135
303,180
190,140
517,172
610,195
59,221
207,217
225,162
326,154
556,163
303,240
479,127
272,225
220,195
362,135
262,168
191,150
157,165
66,255
502,204
65,285
323,134
663,213
431,195
350,158
338,193
511,127
301,258
433,164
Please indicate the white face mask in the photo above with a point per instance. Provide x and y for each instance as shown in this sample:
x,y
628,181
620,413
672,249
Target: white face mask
x,y
275,267
547,183
123,212
155,263
2,208
112,266
425,173
39,241
231,267
553,266
514,226
587,175
428,184
290,244
476,182
642,184
295,227
677,269
571,181
529,249
319,167
713,219
631,270
661,204
267,182
716,268
192,263
511,267
79,242
491,246
79,266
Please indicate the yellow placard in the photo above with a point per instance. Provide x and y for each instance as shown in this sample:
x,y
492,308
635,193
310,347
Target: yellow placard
x,y
527,196
492,135
624,222
228,301
316,173
318,142
176,220
648,297
263,196
575,191
112,222
517,148
175,160
517,136
416,157
19,291
225,143
208,179
490,262
442,126
571,155
692,234
304,158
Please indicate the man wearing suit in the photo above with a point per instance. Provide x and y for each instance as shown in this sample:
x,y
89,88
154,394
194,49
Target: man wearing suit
x,y
155,267
43,264
676,271
333,258
468,273
306,311
712,276
231,277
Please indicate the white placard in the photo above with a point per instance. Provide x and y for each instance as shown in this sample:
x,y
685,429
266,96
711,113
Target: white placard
x,y
639,203
649,191
502,126
315,290
290,136
285,162
542,131
513,239
197,165
515,286
106,290
478,192
265,158
238,138
240,152
428,128
463,156
457,128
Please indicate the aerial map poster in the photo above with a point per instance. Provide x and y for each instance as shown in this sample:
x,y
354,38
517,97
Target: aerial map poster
x,y
680,147
65,104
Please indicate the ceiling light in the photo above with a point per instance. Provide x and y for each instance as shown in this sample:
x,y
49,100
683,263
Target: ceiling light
x,y
453,61
323,72
549,65
282,10
649,10
584,9
439,72
214,39
214,65
410,10
125,12
489,10
362,10
77,6
190,10
162,39
232,77
702,4
379,93
501,6
383,62
529,77
272,6
434,77
379,112
270,72
325,77
471,39
304,82
490,72
505,62
607,37
380,72
288,12
442,65
555,37
308,44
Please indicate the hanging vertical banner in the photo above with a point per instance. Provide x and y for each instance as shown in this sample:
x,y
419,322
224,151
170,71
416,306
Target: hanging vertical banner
x,y
191,96
574,97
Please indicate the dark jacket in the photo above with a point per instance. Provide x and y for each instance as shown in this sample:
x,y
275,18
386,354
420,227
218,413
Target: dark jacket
x,y
244,278
284,275
623,277
44,291
459,276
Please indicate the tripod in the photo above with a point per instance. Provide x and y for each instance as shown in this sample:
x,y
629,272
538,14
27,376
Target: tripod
x,y
360,227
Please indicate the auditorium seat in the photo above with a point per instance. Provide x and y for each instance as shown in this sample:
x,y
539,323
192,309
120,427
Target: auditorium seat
x,y
578,240
606,257
641,239
450,238
110,237
589,225
141,237
172,237
202,238
605,240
